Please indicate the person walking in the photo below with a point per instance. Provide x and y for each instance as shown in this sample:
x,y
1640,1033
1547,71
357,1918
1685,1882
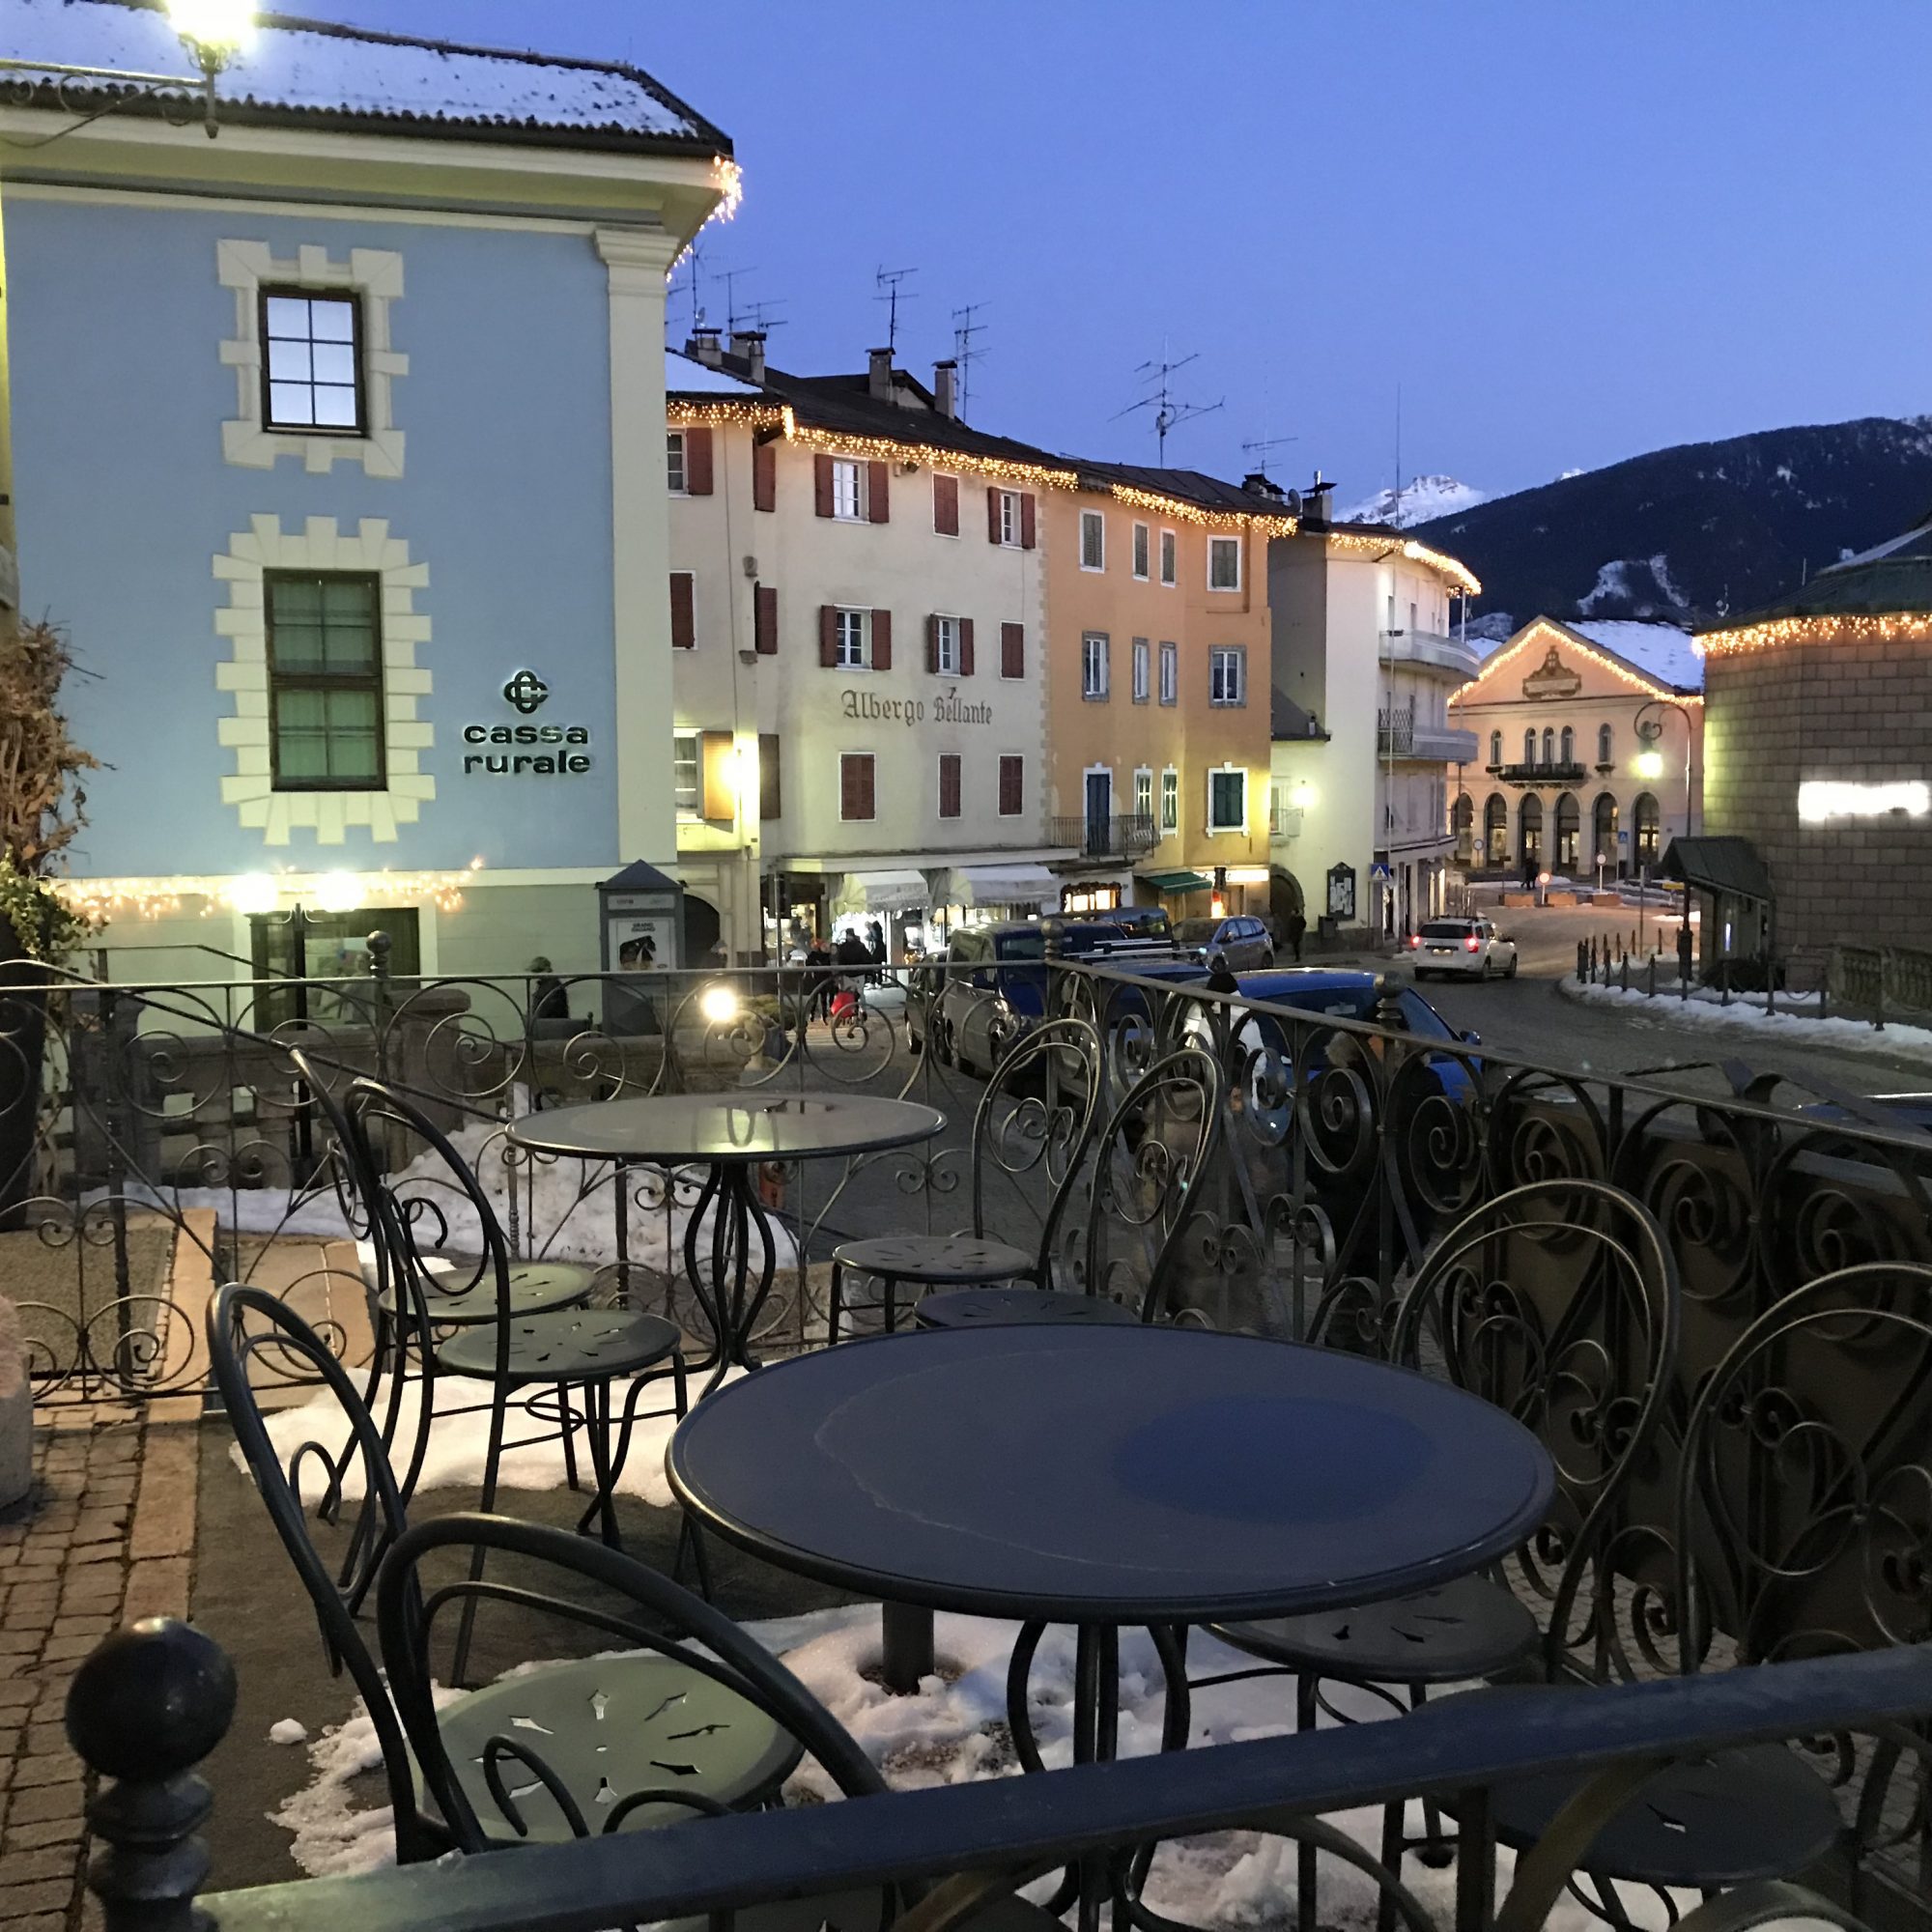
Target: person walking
x,y
1296,926
547,999
875,951
818,979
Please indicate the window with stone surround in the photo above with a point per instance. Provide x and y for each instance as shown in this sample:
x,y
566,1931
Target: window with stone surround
x,y
324,679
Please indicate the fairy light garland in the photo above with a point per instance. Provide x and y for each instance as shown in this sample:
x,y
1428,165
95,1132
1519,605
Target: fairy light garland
x,y
1543,631
102,899
886,449
1271,523
726,413
1822,629
1355,543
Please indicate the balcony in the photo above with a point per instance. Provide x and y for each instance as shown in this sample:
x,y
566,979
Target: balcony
x,y
1399,736
1569,772
1126,834
1285,821
1436,649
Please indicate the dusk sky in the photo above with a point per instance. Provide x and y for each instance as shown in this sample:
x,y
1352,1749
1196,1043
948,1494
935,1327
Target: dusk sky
x,y
1570,232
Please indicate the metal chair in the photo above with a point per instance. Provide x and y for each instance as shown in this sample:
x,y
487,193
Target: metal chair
x,y
245,1322
1033,1126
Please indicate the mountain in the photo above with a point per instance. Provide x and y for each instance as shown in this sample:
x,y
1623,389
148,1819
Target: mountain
x,y
1423,500
1697,531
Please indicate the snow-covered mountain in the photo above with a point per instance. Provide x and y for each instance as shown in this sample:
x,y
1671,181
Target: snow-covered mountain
x,y
1423,499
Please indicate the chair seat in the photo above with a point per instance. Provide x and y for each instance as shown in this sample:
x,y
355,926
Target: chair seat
x,y
455,1300
936,1258
578,1345
860,1912
983,1307
1470,1628
609,1726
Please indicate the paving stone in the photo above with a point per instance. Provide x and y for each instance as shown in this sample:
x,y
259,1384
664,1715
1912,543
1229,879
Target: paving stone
x,y
43,1802
15,1692
164,1513
19,1901
24,1867
48,1831
44,1768
156,1589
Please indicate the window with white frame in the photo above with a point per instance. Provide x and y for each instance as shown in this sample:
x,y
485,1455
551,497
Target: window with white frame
x,y
1227,675
1170,558
1010,519
848,490
1141,671
1170,801
853,634
1224,563
1144,794
1170,674
674,473
1227,800
1141,552
1093,540
946,633
686,772
1094,664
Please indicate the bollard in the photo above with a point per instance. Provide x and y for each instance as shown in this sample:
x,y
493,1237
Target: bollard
x,y
1624,972
1650,991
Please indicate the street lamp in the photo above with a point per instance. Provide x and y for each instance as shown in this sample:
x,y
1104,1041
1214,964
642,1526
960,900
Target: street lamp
x,y
1648,765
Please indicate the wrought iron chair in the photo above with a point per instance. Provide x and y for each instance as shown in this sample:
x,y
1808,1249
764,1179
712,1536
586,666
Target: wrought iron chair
x,y
1558,1303
246,1323
1033,1124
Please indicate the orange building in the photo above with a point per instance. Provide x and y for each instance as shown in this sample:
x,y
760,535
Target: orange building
x,y
1158,687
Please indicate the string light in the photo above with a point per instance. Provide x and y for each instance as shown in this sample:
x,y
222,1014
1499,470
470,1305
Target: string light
x,y
886,449
1822,629
1543,631
729,179
100,899
1356,543
1271,523
726,413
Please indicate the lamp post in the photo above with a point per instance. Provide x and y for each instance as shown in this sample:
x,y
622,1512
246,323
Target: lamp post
x,y
1648,765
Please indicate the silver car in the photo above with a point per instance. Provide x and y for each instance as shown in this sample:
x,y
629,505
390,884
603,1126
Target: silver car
x,y
1242,942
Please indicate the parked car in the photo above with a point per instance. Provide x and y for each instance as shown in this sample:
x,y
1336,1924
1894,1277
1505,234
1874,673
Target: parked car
x,y
1242,942
1462,949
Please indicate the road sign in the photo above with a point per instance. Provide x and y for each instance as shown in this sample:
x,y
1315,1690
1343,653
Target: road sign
x,y
1380,874
1623,839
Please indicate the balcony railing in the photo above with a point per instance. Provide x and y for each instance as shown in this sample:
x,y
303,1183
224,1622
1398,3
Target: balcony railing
x,y
1127,835
1285,821
1434,648
1570,772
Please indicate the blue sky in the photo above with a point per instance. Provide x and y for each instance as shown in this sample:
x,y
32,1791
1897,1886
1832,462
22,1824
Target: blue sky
x,y
1569,230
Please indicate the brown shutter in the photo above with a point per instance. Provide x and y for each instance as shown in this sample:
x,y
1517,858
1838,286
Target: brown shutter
x,y
683,618
765,620
855,786
721,793
882,641
949,784
1012,786
945,505
878,493
828,636
697,463
765,476
1012,650
1027,520
932,644
821,484
771,796
992,512
965,647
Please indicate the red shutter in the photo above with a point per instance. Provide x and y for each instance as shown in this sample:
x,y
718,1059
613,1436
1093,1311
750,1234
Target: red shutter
x,y
765,620
965,647
878,493
765,476
932,644
697,463
821,485
1027,520
1012,650
949,784
683,618
1012,786
828,636
945,505
882,641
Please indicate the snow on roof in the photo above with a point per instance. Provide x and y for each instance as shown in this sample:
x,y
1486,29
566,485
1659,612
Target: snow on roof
x,y
1661,651
686,376
300,66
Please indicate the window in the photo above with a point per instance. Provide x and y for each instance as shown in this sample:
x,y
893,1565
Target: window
x,y
1170,674
1495,748
1094,664
1568,754
853,642
1548,745
1603,745
325,680
946,646
949,784
1141,671
1170,558
1170,801
1649,823
1013,784
1224,563
1093,540
1141,552
848,490
1530,746
1227,675
313,362
1227,801
1143,795
855,784
686,772
675,462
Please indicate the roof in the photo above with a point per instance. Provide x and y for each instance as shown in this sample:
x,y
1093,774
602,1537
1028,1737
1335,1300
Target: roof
x,y
1664,654
1191,486
321,72
1892,577
686,376
1719,864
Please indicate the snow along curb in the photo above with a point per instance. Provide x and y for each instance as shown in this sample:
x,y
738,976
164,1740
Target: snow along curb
x,y
1896,1042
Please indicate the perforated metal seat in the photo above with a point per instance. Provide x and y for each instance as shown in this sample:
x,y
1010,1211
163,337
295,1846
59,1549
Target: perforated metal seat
x,y
572,1345
985,1307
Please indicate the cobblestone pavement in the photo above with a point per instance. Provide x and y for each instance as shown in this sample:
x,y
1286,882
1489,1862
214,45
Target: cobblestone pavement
x,y
106,1538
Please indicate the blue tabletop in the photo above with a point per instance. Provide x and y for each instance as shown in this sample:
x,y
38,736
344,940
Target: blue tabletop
x,y
1124,1475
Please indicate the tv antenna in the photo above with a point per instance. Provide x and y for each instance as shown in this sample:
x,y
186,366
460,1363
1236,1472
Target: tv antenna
x,y
965,349
1265,446
758,315
731,277
694,271
1168,412
890,281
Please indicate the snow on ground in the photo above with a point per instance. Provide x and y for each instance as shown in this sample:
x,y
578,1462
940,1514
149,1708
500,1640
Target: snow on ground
x,y
1902,1043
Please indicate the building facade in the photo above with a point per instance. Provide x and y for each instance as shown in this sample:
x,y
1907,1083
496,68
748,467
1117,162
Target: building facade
x,y
1589,753
330,514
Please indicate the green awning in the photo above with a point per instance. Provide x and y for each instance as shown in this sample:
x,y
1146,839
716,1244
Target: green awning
x,y
1175,882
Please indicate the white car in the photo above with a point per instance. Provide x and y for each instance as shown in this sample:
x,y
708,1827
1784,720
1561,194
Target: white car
x,y
1462,949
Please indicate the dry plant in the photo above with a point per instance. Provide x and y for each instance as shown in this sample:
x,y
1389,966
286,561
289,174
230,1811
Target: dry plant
x,y
42,803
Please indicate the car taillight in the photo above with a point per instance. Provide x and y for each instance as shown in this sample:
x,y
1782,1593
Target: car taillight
x,y
1471,944
1414,940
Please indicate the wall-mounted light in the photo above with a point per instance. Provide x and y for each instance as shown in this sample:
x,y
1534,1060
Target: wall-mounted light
x,y
1823,799
1648,765
1302,796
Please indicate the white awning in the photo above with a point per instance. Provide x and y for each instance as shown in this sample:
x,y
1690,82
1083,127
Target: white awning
x,y
1002,884
881,892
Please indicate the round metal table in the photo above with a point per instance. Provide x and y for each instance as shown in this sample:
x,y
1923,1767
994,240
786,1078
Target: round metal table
x,y
732,1135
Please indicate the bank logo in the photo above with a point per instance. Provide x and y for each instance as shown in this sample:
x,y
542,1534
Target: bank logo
x,y
526,691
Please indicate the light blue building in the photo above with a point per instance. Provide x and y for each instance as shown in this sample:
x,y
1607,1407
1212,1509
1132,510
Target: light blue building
x,y
339,455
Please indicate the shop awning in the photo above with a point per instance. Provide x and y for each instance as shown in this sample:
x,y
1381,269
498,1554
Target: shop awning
x,y
1175,882
1723,865
1002,884
882,891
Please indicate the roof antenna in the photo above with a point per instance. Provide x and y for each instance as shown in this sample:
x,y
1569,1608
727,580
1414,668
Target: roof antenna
x,y
1168,412
731,277
1395,516
695,270
888,280
965,351
758,315
1262,446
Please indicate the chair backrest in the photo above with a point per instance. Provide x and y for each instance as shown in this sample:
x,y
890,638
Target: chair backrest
x,y
649,1613
1150,1164
308,1494
1031,1132
1559,1303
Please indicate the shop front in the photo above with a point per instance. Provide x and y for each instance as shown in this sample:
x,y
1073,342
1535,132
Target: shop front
x,y
991,894
896,901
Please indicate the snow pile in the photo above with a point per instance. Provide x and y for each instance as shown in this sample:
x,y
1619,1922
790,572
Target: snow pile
x,y
1423,500
1900,1043
1633,586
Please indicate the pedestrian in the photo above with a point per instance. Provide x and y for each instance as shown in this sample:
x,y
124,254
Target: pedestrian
x,y
818,979
1219,978
875,951
1297,927
547,999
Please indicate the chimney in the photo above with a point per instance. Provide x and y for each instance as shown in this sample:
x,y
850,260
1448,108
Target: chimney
x,y
879,375
703,345
1318,501
945,389
1258,483
748,346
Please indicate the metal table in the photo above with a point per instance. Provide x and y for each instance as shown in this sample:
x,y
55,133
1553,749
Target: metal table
x,y
1103,1476
732,1135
